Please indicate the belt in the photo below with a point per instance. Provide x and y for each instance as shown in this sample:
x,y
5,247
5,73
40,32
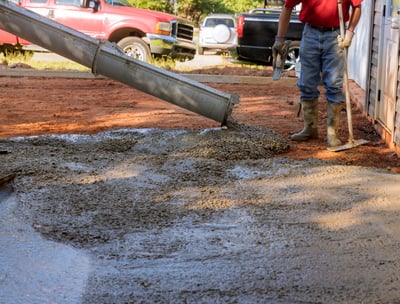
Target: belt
x,y
325,28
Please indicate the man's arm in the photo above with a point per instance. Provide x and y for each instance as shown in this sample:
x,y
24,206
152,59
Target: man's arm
x,y
348,37
283,25
354,18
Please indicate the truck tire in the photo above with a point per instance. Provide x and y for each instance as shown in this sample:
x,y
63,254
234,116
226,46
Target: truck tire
x,y
136,48
293,56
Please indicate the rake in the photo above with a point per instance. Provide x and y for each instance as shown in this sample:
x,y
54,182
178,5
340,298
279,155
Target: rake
x,y
351,143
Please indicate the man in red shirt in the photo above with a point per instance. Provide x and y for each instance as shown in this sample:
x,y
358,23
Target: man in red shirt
x,y
321,55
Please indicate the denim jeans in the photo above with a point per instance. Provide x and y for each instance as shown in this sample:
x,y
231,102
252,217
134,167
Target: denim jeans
x,y
321,56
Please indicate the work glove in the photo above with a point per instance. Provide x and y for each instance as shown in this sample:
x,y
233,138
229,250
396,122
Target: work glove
x,y
279,53
278,48
346,42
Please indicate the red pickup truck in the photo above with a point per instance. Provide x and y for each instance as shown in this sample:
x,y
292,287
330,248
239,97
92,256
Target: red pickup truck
x,y
140,33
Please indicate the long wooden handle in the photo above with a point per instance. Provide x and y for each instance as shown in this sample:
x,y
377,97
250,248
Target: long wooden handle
x,y
345,74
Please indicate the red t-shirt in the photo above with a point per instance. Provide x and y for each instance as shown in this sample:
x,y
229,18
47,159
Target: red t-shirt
x,y
322,12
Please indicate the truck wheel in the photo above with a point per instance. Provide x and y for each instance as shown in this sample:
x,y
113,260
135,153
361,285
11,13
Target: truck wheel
x,y
136,48
293,56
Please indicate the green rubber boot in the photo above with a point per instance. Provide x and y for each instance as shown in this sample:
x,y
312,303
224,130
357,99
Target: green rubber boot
x,y
310,114
333,118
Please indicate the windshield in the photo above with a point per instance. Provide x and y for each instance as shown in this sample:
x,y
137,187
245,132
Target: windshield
x,y
117,2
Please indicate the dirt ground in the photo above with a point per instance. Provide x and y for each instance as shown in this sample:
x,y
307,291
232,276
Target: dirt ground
x,y
37,106
124,198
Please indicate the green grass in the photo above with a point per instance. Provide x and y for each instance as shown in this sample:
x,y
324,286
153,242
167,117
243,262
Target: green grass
x,y
48,65
164,63
41,65
26,58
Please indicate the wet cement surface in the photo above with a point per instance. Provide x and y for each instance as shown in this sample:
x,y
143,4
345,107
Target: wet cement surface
x,y
33,269
169,216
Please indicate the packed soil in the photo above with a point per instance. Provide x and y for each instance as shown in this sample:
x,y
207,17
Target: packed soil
x,y
114,196
38,106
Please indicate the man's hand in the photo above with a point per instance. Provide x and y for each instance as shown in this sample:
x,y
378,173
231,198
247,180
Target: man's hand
x,y
279,53
278,47
346,42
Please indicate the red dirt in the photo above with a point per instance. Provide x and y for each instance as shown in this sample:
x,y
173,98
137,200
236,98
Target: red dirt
x,y
36,106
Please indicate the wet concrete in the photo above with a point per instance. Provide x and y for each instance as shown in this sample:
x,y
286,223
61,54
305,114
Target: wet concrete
x,y
169,216
33,269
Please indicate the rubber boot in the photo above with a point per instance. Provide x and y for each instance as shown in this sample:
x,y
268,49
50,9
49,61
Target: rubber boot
x,y
334,110
310,114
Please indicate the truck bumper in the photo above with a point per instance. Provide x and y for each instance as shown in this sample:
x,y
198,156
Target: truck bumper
x,y
221,46
170,46
250,53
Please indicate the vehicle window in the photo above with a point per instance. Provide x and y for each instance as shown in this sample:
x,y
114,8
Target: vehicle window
x,y
38,1
229,23
214,22
68,2
210,22
117,2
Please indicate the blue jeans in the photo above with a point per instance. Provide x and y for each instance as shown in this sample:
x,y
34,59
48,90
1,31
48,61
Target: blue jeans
x,y
321,56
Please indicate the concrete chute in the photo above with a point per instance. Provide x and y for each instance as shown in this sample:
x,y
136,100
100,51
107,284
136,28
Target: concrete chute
x,y
105,58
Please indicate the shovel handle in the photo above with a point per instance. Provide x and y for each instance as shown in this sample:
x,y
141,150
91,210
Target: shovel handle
x,y
345,74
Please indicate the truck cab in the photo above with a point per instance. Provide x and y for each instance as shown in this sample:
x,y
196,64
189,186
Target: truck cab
x,y
256,35
139,32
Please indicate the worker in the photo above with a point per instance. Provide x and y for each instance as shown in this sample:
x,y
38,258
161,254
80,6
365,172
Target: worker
x,y
321,54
